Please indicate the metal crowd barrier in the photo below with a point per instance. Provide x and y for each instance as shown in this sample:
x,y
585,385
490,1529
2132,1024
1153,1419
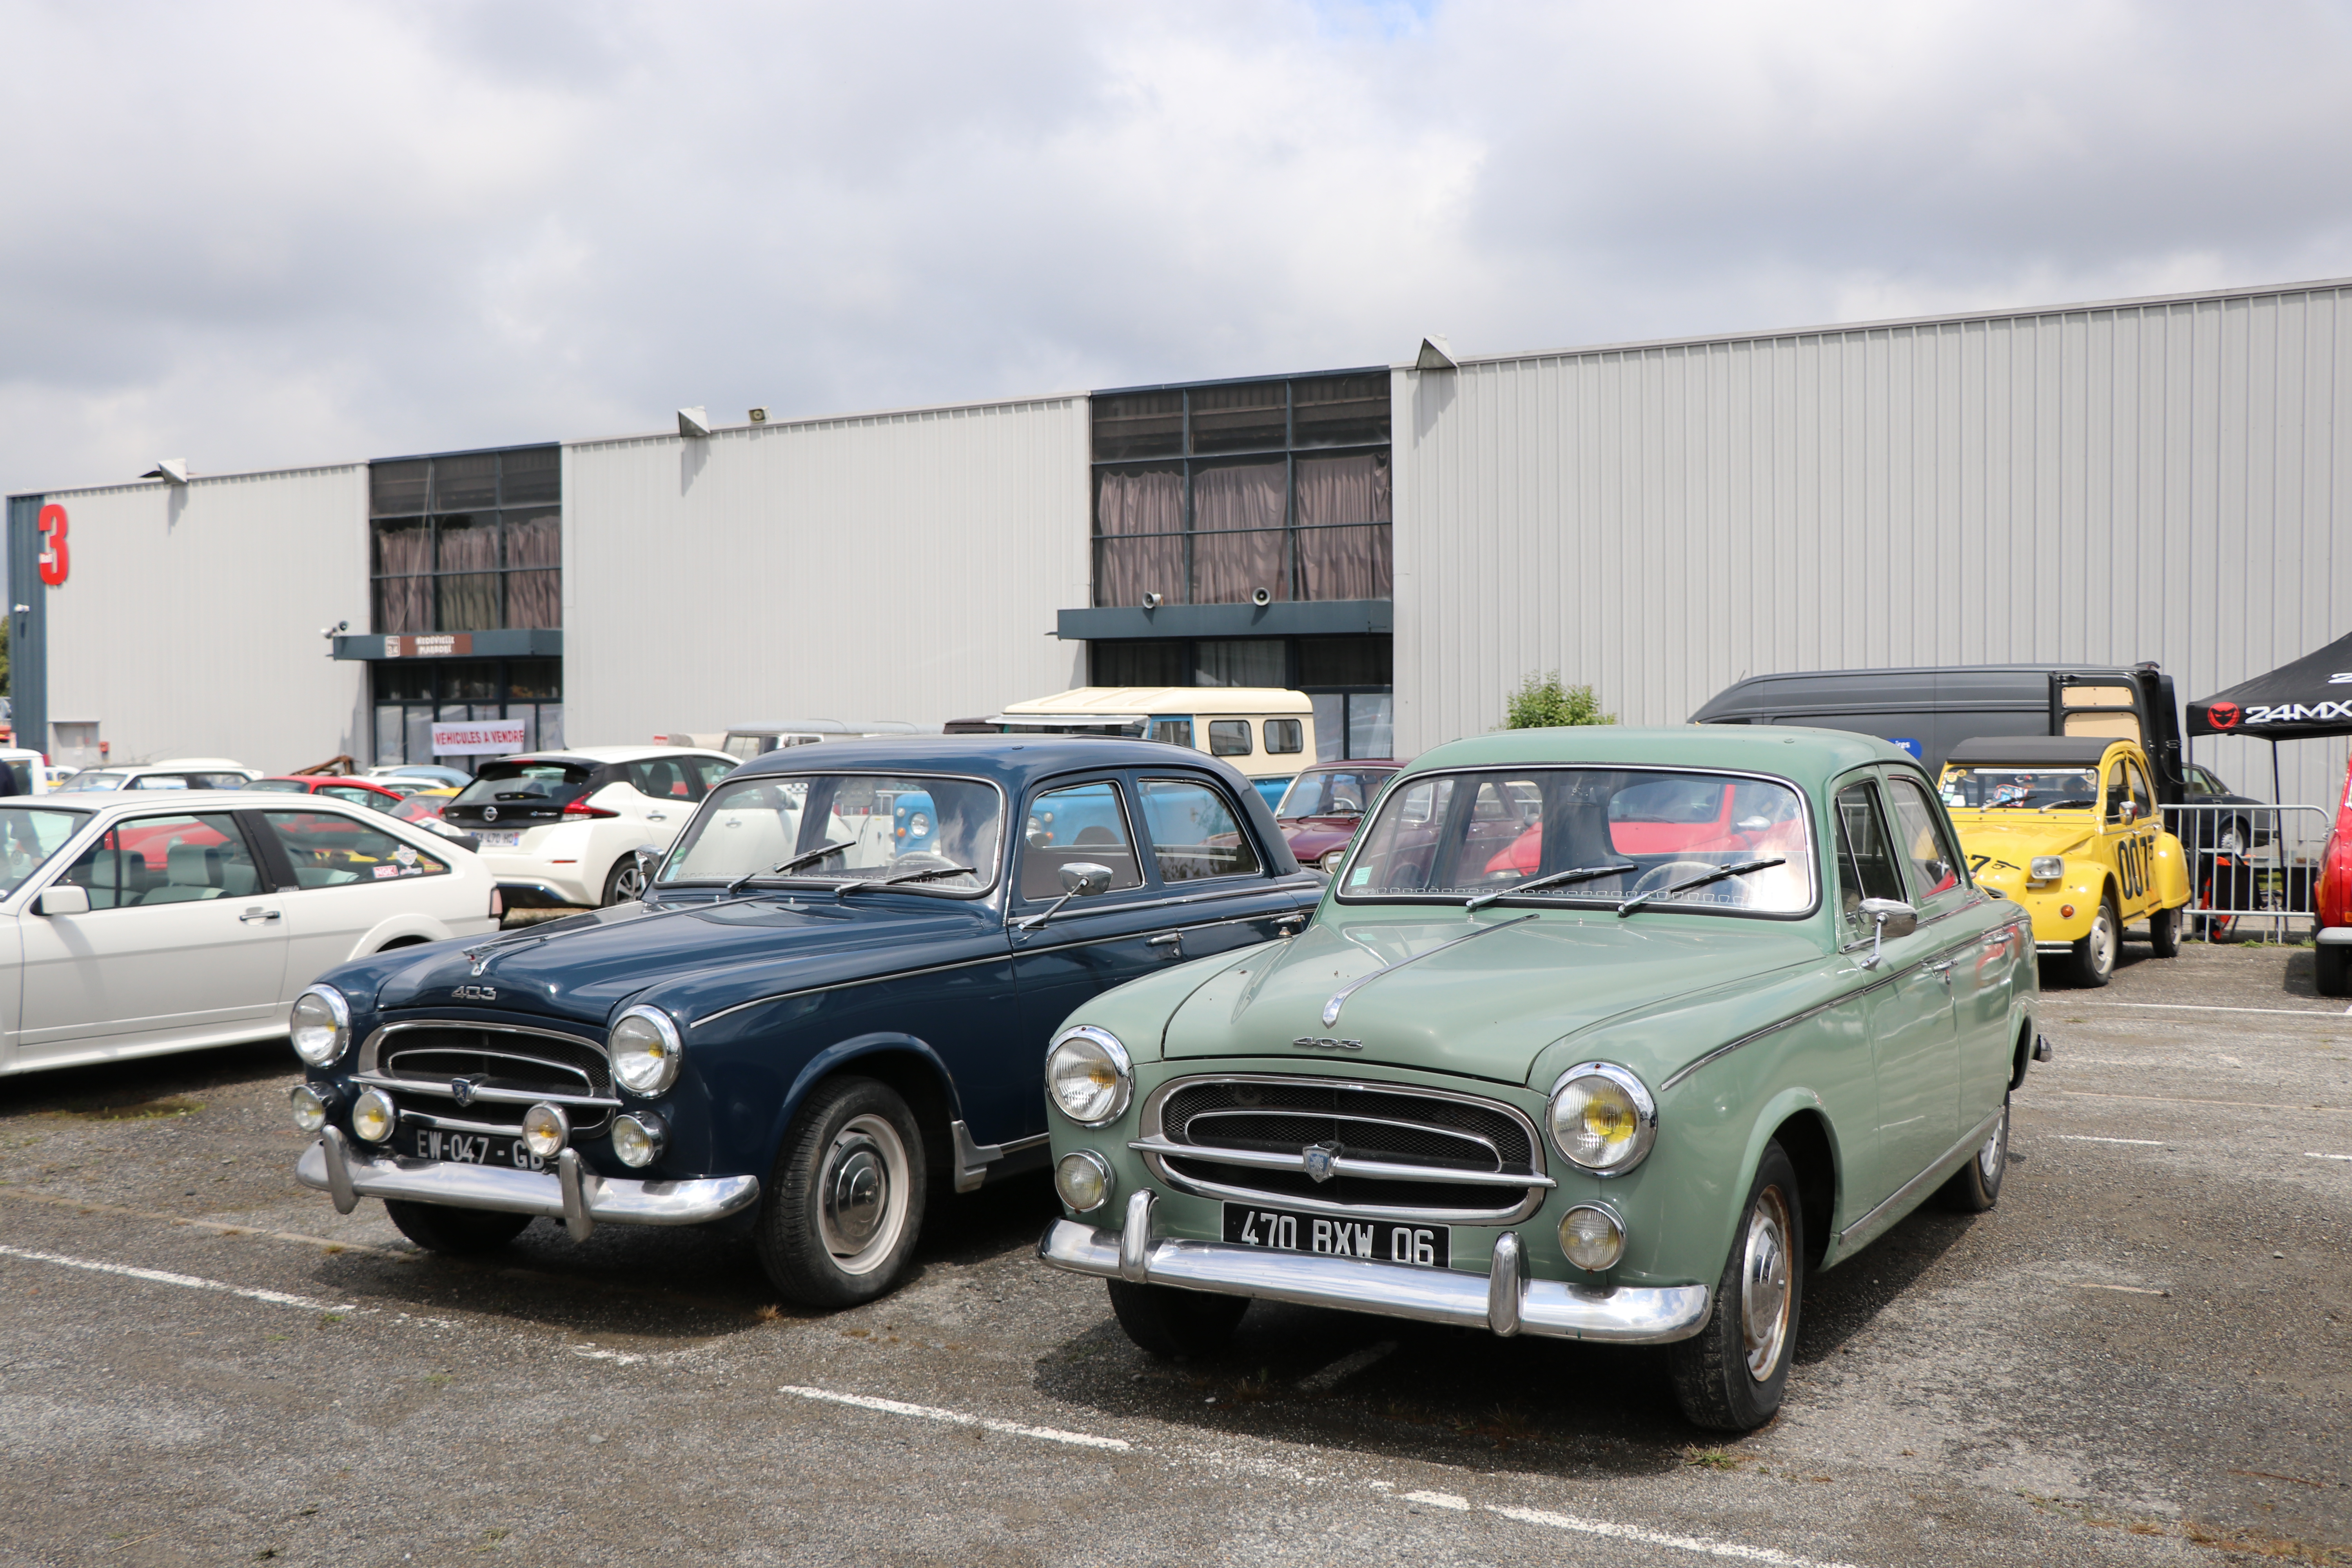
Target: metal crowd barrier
x,y
2253,870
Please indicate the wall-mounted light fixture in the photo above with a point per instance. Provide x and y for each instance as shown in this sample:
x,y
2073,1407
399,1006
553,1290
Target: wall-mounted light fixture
x,y
1260,598
1436,354
1152,601
693,421
759,417
170,471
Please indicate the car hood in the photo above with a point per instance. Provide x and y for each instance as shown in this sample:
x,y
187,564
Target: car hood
x,y
2015,842
1487,1008
583,967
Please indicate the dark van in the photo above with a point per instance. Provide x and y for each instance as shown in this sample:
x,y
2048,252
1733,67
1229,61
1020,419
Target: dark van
x,y
1929,711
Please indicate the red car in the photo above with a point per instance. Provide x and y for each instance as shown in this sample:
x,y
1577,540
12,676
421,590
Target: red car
x,y
2335,903
358,792
1324,806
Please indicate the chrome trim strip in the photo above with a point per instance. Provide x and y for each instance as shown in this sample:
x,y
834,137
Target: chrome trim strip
x,y
459,1124
1492,1152
972,1160
1943,1166
1339,998
440,1087
565,1067
604,1200
1341,1165
1505,1292
1550,1309
2057,949
372,1048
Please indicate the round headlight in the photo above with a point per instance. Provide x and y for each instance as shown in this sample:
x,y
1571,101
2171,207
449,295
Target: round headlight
x,y
646,1052
638,1137
1088,1076
546,1129
309,1108
2046,868
321,1024
1592,1238
1603,1119
374,1116
1083,1181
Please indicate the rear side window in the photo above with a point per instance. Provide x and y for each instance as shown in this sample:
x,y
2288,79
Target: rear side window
x,y
707,773
1195,832
166,860
328,849
1081,823
527,784
1229,738
20,778
1285,736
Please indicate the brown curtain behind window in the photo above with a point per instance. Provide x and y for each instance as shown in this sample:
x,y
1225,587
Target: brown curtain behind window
x,y
1238,542
404,554
469,545
1340,555
1138,503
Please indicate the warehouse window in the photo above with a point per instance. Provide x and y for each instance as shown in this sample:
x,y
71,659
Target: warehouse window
x,y
1211,494
468,542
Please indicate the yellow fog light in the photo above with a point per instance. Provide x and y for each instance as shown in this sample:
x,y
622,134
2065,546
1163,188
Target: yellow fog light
x,y
546,1129
1592,1238
1603,1118
309,1108
374,1116
1083,1181
638,1139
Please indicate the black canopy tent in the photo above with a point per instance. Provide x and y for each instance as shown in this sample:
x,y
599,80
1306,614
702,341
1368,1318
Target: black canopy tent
x,y
2304,700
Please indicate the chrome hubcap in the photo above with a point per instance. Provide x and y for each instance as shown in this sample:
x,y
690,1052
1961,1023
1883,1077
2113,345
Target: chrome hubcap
x,y
1764,1274
628,885
862,1194
1995,1149
2103,940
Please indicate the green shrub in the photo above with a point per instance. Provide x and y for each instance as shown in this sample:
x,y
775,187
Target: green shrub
x,y
1542,702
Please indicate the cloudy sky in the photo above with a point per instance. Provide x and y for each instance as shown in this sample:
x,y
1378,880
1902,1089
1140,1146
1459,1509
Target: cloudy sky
x,y
262,234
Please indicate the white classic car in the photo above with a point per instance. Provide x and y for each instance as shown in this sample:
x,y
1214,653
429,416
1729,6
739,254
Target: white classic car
x,y
143,924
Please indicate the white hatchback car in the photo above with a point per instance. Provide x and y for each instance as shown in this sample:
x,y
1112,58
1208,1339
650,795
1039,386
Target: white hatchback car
x,y
562,828
144,923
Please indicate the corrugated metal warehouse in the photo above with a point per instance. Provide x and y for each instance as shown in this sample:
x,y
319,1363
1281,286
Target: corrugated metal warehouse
x,y
2155,478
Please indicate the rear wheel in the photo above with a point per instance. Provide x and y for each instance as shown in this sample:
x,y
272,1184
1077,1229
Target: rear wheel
x,y
1167,1322
1732,1376
458,1233
2164,932
2332,973
2094,955
845,1204
626,883
1976,1186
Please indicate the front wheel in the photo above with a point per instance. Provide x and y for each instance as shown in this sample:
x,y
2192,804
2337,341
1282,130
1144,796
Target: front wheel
x,y
845,1204
2164,932
2094,955
1170,1324
1732,1376
454,1232
1975,1187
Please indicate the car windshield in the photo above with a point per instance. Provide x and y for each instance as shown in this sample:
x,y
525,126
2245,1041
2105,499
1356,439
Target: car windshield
x,y
288,787
93,781
886,827
1333,793
2020,788
1456,835
29,835
526,783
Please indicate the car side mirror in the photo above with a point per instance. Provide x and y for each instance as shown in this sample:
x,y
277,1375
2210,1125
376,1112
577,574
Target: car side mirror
x,y
1083,879
2129,812
1889,917
64,899
648,859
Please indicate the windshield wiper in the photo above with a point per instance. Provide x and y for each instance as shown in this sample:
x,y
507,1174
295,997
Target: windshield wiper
x,y
848,888
1558,879
1717,875
781,866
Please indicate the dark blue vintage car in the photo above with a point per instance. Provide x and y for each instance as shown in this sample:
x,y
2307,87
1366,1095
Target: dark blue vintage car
x,y
833,1000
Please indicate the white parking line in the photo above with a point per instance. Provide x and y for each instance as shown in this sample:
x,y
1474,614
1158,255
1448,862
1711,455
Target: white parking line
x,y
1656,1538
2087,1138
185,1281
957,1417
1440,1500
2311,1156
2207,1008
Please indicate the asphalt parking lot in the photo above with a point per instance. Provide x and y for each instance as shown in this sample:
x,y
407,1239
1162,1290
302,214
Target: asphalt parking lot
x,y
2144,1356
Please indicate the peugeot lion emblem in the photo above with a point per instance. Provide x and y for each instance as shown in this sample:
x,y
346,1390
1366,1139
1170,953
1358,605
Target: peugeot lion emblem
x,y
1319,1158
490,813
461,1090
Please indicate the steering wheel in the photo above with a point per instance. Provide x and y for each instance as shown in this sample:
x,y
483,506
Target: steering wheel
x,y
1658,878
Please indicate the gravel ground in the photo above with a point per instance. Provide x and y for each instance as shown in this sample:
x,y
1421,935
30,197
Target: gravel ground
x,y
2145,1354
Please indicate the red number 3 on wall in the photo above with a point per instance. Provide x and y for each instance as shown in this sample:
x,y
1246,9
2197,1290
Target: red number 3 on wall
x,y
57,558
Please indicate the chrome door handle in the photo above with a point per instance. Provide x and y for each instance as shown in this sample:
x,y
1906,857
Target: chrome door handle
x,y
1174,938
258,914
1290,924
657,816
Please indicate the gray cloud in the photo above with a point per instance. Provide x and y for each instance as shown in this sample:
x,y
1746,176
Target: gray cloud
x,y
264,234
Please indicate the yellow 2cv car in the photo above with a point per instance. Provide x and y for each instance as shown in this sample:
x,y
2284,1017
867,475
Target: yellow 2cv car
x,y
2067,826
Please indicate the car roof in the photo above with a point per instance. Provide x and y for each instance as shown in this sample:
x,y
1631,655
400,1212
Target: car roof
x,y
1009,759
1143,702
597,757
1790,750
2076,750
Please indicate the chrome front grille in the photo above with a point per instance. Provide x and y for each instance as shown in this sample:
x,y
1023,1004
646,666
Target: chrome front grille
x,y
505,1070
1397,1152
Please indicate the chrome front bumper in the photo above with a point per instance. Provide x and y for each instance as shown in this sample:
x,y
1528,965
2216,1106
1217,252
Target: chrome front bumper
x,y
1501,1301
571,1192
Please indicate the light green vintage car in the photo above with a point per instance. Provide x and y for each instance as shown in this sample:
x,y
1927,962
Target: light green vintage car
x,y
1603,1034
